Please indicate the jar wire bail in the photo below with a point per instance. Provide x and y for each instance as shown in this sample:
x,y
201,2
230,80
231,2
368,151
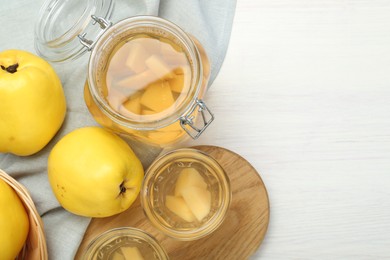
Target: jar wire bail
x,y
104,25
188,119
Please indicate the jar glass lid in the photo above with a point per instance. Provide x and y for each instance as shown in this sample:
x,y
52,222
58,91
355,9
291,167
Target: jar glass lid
x,y
62,21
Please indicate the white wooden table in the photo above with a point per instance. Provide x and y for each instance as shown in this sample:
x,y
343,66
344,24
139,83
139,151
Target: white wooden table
x,y
304,95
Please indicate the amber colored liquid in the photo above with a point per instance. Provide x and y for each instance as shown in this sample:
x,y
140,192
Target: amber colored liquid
x,y
146,79
164,183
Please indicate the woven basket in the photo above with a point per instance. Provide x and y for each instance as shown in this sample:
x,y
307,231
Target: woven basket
x,y
35,246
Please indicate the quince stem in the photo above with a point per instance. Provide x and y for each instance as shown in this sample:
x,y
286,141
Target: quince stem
x,y
11,69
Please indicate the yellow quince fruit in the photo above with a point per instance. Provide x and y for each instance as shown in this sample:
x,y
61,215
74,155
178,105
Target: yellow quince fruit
x,y
14,223
32,102
94,173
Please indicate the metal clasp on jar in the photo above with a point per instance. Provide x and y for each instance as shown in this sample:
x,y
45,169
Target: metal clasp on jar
x,y
187,121
104,25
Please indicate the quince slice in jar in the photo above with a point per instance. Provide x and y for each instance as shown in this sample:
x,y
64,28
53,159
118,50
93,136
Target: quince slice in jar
x,y
133,105
157,96
137,55
118,256
178,206
198,200
191,200
131,253
189,177
177,83
160,68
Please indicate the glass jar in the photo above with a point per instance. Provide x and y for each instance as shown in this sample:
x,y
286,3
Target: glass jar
x,y
186,194
164,114
125,243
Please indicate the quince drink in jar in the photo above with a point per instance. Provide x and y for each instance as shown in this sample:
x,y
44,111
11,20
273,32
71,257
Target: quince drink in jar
x,y
186,194
147,80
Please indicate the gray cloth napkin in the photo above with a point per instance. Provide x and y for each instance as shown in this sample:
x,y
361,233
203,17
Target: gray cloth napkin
x,y
209,21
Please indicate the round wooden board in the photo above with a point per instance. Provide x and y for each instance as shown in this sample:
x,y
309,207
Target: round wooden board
x,y
239,236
